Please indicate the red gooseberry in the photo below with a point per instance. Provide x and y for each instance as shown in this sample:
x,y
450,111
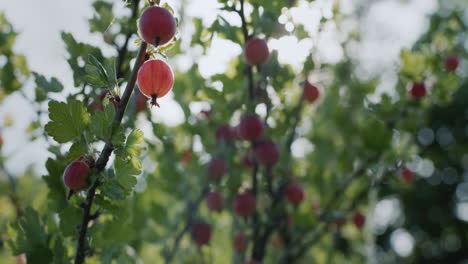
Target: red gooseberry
x,y
75,174
451,63
311,92
256,51
418,90
214,201
216,168
200,233
157,25
245,204
294,193
251,127
359,219
267,153
155,79
408,175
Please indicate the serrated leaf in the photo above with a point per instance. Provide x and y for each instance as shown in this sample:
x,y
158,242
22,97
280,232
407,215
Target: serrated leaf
x,y
77,149
69,219
31,235
57,192
53,85
101,121
124,169
68,120
132,146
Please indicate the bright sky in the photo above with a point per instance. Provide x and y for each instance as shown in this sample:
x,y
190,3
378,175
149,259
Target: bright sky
x,y
386,27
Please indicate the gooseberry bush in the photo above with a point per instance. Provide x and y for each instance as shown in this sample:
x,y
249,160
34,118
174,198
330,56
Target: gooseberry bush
x,y
231,183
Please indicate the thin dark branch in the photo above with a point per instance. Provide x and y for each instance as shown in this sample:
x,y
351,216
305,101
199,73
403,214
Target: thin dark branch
x,y
122,51
297,117
337,196
104,157
192,208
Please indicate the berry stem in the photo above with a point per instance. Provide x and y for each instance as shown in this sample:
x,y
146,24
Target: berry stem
x,y
104,157
153,100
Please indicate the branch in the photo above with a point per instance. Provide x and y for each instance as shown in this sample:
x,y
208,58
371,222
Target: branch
x,y
191,209
104,157
337,196
122,51
297,117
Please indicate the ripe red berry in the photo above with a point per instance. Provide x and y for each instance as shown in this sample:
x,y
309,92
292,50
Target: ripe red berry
x,y
451,63
407,175
200,233
359,219
140,101
216,168
267,153
240,242
418,90
214,201
245,204
294,193
250,127
311,92
75,174
225,133
157,25
155,79
256,51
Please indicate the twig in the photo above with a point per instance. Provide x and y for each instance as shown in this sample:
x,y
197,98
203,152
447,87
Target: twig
x,y
191,210
337,195
297,117
122,51
104,157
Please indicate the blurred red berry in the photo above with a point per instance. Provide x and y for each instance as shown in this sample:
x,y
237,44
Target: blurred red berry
x,y
311,92
451,63
251,127
359,219
201,233
407,175
216,168
294,193
418,90
214,201
245,204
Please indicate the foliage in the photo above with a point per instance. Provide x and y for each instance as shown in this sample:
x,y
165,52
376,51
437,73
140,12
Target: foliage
x,y
144,198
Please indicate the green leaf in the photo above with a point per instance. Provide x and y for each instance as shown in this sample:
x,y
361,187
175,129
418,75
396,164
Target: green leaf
x,y
57,192
31,238
124,169
101,121
132,146
68,120
54,85
70,218
413,64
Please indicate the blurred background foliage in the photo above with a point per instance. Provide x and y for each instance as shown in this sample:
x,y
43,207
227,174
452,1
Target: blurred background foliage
x,y
346,136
